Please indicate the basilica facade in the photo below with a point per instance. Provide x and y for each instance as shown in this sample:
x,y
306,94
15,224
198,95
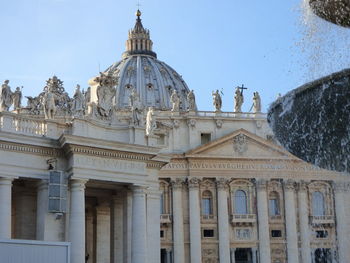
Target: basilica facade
x,y
130,171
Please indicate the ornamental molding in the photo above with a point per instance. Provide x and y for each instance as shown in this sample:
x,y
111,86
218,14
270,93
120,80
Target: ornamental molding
x,y
341,186
302,186
261,184
91,151
289,185
31,149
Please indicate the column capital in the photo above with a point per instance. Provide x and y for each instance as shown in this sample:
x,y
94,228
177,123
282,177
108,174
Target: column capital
x,y
221,183
261,184
302,186
177,183
193,183
289,185
138,189
78,183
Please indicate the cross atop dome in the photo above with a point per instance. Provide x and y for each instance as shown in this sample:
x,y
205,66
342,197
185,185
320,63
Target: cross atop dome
x,y
139,41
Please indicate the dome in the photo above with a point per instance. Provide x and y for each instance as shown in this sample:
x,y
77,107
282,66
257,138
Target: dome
x,y
153,80
140,69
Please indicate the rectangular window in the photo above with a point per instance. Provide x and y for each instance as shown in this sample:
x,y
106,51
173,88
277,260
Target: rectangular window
x,y
162,204
276,233
273,207
208,232
205,138
161,233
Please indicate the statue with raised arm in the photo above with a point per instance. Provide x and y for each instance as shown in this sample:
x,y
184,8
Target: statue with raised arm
x,y
17,98
6,96
175,101
151,124
217,101
256,102
191,99
78,104
238,100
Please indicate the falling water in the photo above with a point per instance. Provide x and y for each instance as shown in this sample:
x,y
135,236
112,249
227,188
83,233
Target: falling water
x,y
324,46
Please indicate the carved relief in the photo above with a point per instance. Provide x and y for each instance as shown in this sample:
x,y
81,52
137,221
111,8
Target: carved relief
x,y
243,234
177,184
191,123
240,144
193,182
219,123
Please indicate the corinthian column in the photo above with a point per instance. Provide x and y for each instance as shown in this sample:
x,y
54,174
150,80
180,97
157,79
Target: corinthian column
x,y
77,220
153,225
138,239
291,222
340,190
304,223
263,222
5,207
223,224
178,224
195,222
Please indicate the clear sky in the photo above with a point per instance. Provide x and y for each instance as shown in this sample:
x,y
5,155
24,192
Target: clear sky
x,y
212,44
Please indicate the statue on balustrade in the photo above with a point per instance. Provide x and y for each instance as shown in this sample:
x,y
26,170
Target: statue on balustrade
x,y
17,98
6,96
217,101
33,105
105,93
239,99
175,101
78,103
256,102
191,99
49,104
136,107
151,123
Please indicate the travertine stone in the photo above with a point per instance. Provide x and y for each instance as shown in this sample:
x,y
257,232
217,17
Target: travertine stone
x,y
5,207
304,222
223,224
195,227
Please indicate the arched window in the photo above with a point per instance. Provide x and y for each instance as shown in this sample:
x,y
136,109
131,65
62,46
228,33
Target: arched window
x,y
274,208
318,204
241,202
207,203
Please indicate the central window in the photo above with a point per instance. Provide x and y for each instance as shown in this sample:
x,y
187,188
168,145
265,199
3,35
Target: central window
x,y
241,202
318,204
274,204
207,203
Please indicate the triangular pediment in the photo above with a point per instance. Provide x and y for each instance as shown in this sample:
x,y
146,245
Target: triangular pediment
x,y
240,144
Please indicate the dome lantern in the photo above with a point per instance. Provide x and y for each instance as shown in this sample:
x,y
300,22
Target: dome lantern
x,y
139,41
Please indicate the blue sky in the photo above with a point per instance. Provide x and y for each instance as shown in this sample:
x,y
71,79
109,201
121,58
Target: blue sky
x,y
212,44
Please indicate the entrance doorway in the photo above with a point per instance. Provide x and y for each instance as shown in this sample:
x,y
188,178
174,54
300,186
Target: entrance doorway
x,y
243,255
323,255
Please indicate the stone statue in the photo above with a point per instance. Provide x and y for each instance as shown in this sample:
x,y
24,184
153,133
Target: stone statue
x,y
78,103
6,96
17,98
105,93
151,124
33,104
238,100
175,101
136,107
217,102
49,104
191,99
256,102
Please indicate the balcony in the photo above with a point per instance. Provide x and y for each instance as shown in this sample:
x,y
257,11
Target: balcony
x,y
322,220
244,219
165,219
208,217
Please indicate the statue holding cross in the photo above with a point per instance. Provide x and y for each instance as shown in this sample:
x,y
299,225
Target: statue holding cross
x,y
239,99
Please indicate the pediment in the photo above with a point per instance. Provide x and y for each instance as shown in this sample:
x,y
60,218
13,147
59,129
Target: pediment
x,y
240,144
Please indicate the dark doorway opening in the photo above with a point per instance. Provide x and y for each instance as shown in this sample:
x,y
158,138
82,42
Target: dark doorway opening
x,y
323,255
243,255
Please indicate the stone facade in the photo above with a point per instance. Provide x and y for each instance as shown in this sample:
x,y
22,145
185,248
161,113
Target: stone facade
x,y
177,185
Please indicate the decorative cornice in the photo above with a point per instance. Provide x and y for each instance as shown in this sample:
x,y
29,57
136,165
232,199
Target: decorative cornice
x,y
78,149
193,183
31,149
